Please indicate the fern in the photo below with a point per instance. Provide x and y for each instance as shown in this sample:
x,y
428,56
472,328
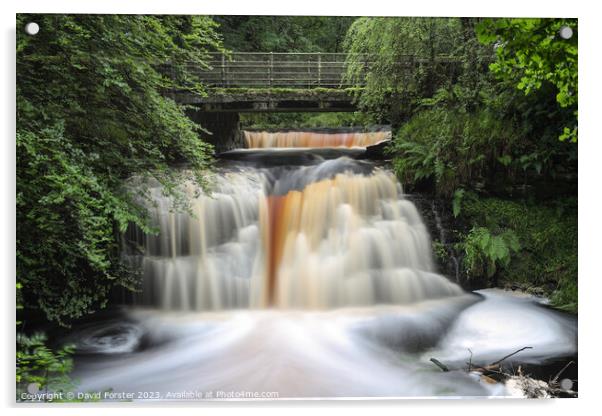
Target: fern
x,y
457,201
485,253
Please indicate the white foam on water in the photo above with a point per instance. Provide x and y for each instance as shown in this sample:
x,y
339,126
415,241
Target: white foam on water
x,y
350,352
504,323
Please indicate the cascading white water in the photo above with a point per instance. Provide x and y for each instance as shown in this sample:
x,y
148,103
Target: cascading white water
x,y
202,259
318,236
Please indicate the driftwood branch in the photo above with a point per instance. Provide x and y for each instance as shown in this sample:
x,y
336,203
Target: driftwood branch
x,y
494,373
555,379
495,367
439,364
508,356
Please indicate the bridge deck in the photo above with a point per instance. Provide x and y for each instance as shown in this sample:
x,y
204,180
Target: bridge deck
x,y
270,100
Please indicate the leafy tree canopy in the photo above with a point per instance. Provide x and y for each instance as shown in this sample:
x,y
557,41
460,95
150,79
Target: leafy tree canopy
x,y
284,33
381,52
92,111
531,52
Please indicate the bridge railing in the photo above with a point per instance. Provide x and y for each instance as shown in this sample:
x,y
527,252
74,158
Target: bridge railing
x,y
287,69
273,69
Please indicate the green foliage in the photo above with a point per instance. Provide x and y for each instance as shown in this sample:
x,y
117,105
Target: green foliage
x,y
485,252
478,132
68,221
439,250
457,201
380,49
451,147
530,52
547,234
36,363
92,112
284,33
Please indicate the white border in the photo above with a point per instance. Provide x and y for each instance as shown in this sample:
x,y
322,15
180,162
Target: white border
x,y
589,187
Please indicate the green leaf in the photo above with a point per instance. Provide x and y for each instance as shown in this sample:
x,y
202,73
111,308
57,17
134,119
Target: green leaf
x,y
457,201
505,160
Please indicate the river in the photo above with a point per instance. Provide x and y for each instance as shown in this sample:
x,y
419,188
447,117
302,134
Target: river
x,y
306,273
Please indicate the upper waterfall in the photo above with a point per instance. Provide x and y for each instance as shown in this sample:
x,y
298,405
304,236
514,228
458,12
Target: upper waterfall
x,y
264,139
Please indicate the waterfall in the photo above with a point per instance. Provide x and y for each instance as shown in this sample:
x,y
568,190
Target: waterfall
x,y
202,259
306,273
349,240
264,139
334,233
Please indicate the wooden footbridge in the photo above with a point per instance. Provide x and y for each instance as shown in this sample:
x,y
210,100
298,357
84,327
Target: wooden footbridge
x,y
273,81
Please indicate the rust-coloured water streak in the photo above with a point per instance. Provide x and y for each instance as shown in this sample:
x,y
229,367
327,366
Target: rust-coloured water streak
x,y
275,236
264,139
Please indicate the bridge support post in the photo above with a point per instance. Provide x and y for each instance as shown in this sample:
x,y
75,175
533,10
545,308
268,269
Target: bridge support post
x,y
223,126
319,69
223,70
271,69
